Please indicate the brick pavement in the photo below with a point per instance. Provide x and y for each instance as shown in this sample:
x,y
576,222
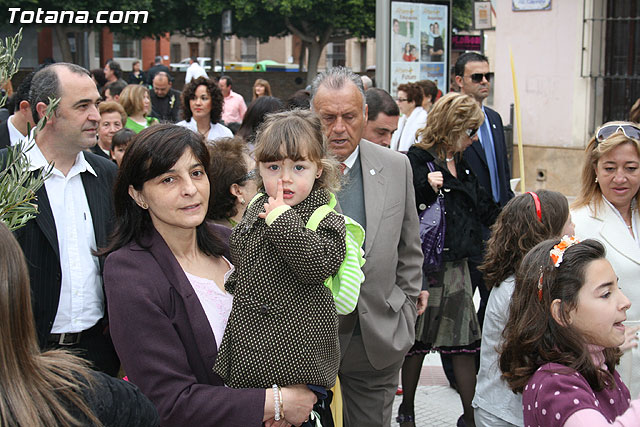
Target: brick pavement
x,y
436,403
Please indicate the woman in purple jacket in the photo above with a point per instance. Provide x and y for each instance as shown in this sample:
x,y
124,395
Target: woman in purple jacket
x,y
164,279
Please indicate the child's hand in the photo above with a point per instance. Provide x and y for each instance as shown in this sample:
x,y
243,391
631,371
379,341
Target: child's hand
x,y
274,203
630,337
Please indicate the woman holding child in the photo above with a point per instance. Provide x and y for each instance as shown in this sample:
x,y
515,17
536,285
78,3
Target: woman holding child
x,y
164,278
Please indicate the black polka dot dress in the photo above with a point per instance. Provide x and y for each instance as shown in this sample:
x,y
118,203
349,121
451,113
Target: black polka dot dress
x,y
283,327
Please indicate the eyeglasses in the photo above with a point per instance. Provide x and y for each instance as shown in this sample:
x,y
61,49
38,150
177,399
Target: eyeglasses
x,y
471,132
477,77
629,130
401,99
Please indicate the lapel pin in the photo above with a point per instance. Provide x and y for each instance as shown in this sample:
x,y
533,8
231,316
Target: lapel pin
x,y
494,126
372,172
467,171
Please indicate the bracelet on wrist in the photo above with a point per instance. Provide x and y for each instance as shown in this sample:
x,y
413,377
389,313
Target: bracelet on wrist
x,y
276,401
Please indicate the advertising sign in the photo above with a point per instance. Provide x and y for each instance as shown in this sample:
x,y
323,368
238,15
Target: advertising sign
x,y
419,44
524,5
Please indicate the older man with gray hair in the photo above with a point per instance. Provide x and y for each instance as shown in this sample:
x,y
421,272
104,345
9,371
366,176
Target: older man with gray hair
x,y
379,195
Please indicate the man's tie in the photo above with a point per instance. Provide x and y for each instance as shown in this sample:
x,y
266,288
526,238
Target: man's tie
x,y
343,167
490,154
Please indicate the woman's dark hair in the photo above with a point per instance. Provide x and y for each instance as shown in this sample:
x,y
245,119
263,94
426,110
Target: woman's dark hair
x,y
151,153
300,99
189,92
98,74
429,89
256,114
228,166
413,91
518,229
122,137
532,337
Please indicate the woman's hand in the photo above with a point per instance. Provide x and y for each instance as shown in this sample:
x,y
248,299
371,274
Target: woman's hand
x,y
423,299
630,337
435,180
297,403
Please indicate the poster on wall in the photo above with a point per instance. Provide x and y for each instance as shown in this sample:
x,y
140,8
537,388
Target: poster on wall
x,y
526,5
419,44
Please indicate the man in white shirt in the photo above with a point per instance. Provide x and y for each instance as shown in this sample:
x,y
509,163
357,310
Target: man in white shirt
x,y
194,71
14,129
75,211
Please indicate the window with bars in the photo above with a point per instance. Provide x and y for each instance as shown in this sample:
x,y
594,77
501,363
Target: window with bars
x,y
611,56
249,49
336,54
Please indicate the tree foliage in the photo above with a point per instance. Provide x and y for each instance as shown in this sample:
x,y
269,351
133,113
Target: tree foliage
x,y
315,22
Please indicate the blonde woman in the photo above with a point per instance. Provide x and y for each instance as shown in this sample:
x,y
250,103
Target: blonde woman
x,y
136,102
449,324
607,210
261,88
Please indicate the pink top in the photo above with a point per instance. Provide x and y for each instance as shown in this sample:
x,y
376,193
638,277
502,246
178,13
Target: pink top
x,y
215,302
234,108
569,401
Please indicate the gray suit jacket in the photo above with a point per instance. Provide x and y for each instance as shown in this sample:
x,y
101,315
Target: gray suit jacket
x,y
393,271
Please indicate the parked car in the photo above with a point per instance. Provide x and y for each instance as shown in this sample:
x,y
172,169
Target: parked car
x,y
205,62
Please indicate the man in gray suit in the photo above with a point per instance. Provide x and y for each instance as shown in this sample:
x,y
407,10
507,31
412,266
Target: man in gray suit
x,y
379,195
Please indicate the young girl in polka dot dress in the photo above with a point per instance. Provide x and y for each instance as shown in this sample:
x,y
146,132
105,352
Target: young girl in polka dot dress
x,y
562,338
283,327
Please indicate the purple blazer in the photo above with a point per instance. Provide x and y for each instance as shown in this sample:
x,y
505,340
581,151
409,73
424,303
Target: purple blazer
x,y
164,339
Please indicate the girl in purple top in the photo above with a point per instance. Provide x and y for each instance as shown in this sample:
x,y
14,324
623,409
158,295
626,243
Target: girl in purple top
x,y
562,338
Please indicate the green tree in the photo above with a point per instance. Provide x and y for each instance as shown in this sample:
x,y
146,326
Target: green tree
x,y
315,22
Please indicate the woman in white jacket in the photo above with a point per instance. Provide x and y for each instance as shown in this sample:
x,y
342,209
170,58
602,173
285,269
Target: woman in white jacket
x,y
607,210
413,118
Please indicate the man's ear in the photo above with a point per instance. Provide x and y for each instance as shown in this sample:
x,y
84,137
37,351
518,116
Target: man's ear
x,y
562,319
366,113
41,108
459,81
24,106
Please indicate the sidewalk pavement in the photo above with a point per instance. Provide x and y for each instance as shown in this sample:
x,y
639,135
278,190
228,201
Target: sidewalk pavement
x,y
436,404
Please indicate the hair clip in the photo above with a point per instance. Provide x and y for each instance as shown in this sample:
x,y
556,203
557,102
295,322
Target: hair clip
x,y
558,250
536,202
540,285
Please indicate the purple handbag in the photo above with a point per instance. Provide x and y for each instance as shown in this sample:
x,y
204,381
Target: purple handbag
x,y
432,230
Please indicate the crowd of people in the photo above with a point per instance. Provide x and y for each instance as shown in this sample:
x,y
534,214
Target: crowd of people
x,y
185,239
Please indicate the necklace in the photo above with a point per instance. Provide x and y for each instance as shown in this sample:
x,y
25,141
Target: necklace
x,y
449,159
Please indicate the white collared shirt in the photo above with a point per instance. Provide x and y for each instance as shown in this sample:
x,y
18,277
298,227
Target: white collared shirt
x,y
351,160
81,302
14,134
634,218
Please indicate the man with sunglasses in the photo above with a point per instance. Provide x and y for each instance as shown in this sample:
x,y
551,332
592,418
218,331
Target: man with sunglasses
x,y
488,155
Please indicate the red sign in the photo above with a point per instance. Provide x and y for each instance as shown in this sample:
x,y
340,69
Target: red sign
x,y
466,43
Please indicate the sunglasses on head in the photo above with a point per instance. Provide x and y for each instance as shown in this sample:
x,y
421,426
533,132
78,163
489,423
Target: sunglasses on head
x,y
471,132
477,77
629,130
